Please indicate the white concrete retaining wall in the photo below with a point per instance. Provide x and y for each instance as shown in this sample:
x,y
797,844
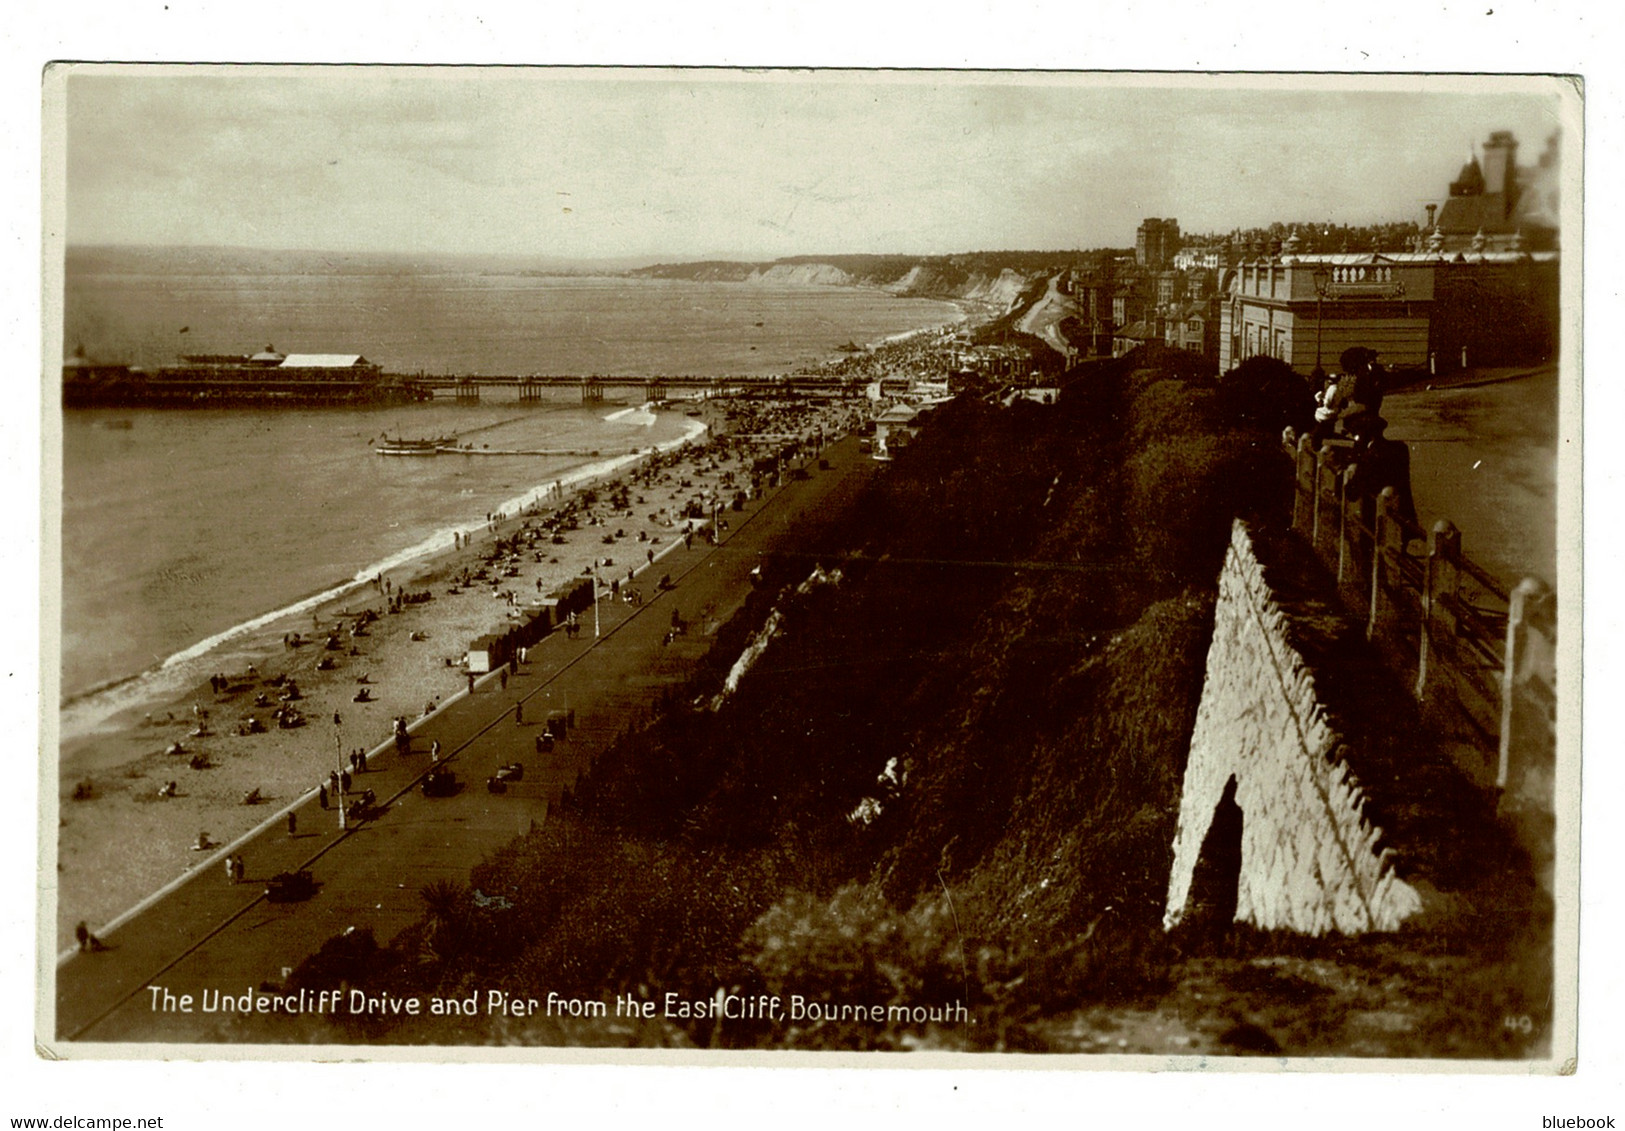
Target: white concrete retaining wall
x,y
1309,859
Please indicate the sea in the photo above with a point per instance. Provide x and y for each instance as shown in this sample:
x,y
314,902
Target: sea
x,y
184,532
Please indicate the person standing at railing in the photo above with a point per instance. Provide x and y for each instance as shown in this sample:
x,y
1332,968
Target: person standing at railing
x,y
1380,462
1353,395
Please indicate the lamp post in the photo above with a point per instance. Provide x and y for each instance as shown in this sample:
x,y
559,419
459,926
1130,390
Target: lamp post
x,y
338,748
1322,278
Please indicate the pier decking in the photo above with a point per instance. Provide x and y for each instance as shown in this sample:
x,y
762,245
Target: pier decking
x,y
593,388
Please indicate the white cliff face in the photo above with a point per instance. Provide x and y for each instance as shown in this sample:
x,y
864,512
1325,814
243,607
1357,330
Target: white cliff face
x,y
1002,290
802,274
1309,859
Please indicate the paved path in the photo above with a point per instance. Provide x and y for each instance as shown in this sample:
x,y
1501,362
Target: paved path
x,y
1484,455
209,934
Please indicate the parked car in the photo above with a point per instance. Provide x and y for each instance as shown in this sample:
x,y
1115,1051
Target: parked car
x,y
290,887
498,782
439,783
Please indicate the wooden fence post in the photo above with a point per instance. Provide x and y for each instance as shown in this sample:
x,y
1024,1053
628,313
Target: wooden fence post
x,y
1343,547
1323,464
1302,473
1387,537
1438,585
1525,606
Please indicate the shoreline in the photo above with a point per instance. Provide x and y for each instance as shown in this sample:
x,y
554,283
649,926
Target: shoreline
x,y
572,479
118,839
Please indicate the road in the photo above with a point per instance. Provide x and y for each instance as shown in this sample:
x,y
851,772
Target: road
x,y
1484,454
1044,315
208,934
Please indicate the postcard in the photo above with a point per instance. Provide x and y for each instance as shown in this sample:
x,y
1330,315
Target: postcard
x,y
844,567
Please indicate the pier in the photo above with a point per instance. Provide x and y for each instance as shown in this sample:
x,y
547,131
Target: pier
x,y
531,388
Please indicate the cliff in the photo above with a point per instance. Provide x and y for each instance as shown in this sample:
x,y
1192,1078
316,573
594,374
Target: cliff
x,y
994,279
956,777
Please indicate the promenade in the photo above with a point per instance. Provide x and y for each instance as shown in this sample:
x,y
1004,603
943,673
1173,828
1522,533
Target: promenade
x,y
1484,454
208,934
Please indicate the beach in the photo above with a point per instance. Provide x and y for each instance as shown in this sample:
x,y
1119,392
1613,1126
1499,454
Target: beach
x,y
397,642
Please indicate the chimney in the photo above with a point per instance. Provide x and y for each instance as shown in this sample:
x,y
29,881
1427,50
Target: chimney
x,y
1500,159
1432,208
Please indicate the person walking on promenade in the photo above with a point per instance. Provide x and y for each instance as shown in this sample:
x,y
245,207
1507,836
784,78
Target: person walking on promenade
x,y
503,679
471,683
361,762
434,751
321,795
293,822
344,781
519,713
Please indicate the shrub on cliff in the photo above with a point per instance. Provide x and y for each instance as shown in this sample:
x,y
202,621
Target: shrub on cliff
x,y
854,946
1180,497
1264,392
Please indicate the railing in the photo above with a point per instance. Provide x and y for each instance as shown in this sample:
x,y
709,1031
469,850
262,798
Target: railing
x,y
1481,659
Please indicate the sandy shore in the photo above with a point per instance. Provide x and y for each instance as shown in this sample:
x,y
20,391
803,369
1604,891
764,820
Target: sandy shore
x,y
119,837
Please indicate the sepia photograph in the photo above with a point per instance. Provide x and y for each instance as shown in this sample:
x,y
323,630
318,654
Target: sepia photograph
x,y
1074,568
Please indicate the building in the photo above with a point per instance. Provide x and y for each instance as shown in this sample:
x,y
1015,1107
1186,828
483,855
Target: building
x,y
894,428
1156,243
1094,297
1303,311
1208,257
1494,205
1417,310
1194,328
1132,336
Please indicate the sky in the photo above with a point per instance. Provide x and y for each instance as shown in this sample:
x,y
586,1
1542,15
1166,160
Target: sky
x,y
667,164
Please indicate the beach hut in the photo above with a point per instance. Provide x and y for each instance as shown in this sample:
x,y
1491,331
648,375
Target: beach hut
x,y
482,655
